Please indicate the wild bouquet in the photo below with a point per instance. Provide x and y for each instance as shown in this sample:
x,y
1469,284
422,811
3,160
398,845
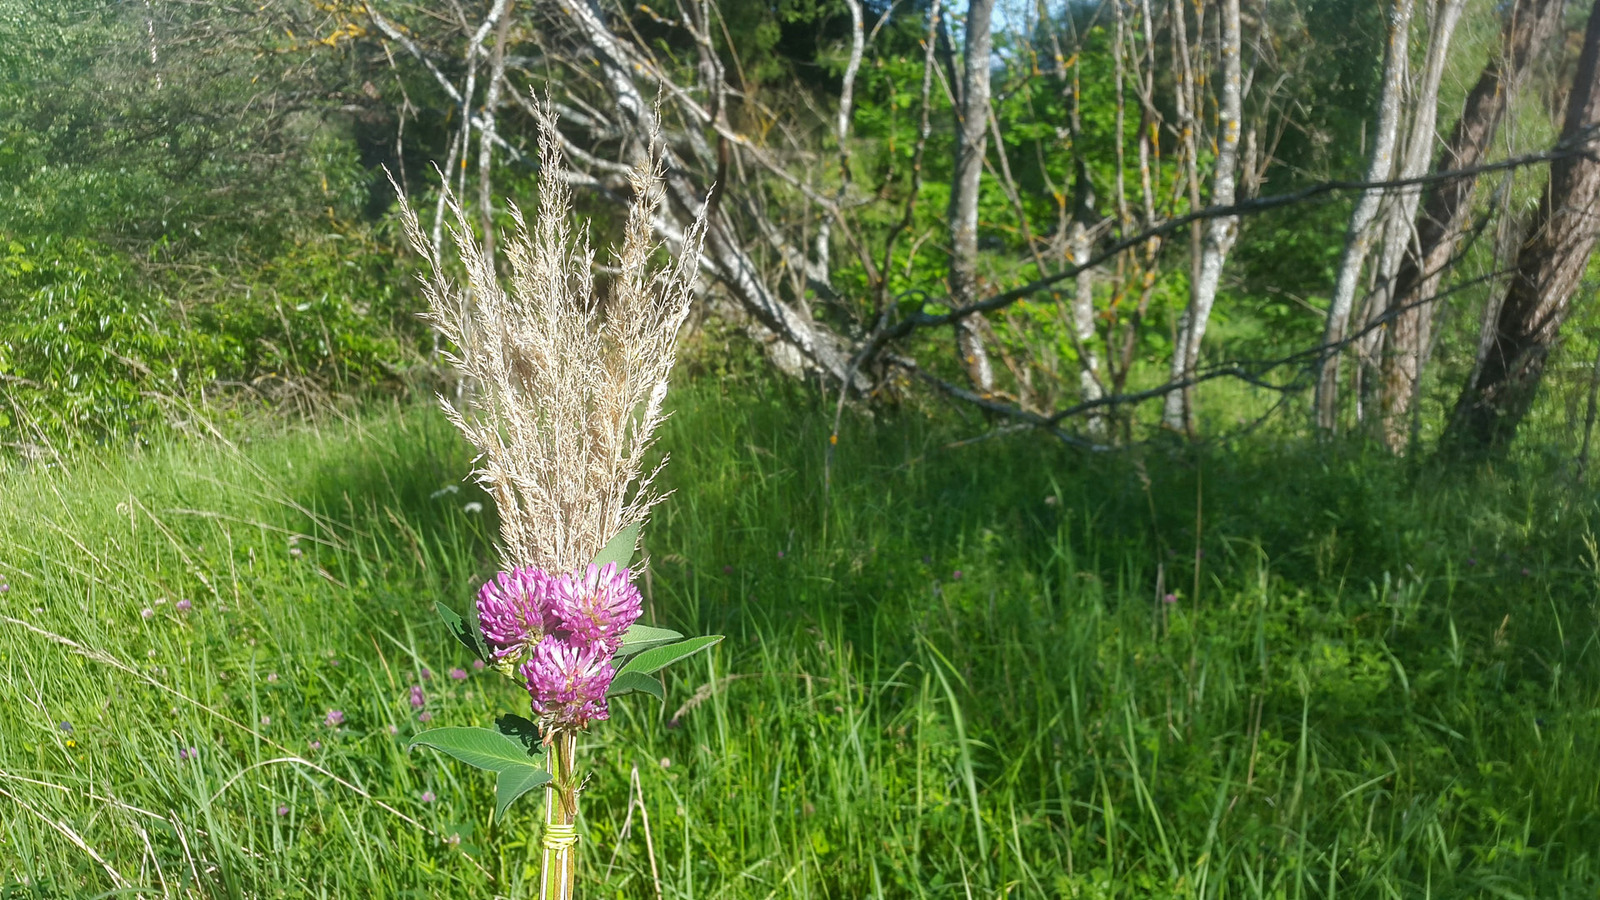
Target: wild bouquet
x,y
566,396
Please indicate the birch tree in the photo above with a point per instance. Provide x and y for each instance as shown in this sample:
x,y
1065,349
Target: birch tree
x,y
972,132
1442,221
1398,223
1358,240
1220,232
1549,265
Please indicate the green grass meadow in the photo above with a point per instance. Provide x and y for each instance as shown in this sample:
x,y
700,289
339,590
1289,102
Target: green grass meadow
x,y
953,674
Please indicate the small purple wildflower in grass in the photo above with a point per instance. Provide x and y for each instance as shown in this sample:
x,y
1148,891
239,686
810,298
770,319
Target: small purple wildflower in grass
x,y
417,699
780,554
427,674
458,674
568,683
186,753
394,729
316,745
265,721
334,663
596,606
425,717
146,613
295,552
334,719
1170,598
65,726
283,810
727,570
4,587
956,575
477,664
427,797
183,605
666,763
271,677
453,840
1472,561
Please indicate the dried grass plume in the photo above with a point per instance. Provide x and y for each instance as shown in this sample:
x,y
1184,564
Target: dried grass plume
x,y
567,388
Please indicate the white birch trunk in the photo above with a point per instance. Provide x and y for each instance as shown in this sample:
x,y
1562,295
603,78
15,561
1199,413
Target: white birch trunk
x,y
1399,226
1358,241
1178,410
971,145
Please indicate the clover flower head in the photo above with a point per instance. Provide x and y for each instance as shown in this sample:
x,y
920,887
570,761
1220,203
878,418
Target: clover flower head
x,y
514,611
597,605
418,699
567,682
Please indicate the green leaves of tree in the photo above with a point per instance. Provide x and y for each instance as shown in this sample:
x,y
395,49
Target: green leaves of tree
x,y
508,757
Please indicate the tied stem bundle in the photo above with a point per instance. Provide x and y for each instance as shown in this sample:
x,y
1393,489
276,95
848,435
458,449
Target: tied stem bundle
x,y
567,381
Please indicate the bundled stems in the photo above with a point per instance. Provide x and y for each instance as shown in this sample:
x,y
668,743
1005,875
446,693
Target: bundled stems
x,y
560,818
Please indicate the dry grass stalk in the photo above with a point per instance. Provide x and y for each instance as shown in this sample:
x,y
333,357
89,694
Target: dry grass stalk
x,y
569,389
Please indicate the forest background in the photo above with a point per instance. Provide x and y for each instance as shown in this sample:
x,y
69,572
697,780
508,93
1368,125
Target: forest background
x,y
1134,446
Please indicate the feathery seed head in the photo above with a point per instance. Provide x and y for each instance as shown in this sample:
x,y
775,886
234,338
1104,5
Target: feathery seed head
x,y
566,378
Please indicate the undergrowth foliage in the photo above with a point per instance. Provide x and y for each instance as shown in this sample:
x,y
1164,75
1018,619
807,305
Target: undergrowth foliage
x,y
1385,684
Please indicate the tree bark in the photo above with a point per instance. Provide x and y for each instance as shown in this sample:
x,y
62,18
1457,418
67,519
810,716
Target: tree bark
x,y
971,145
1359,238
1399,225
1220,232
1529,25
1549,265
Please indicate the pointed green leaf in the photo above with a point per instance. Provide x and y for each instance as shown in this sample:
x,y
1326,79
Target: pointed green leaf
x,y
481,747
637,682
651,661
513,783
463,632
519,729
643,637
619,549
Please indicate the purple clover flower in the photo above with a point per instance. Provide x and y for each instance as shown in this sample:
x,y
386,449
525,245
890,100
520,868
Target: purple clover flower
x,y
427,797
458,674
184,605
514,611
425,717
567,682
334,719
417,698
597,606
477,664
283,810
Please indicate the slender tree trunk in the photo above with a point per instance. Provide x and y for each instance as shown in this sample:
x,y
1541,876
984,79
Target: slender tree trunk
x,y
486,133
1549,266
1359,238
1529,25
1220,232
1399,231
971,144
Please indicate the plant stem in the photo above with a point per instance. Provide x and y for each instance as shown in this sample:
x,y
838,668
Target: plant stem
x,y
560,818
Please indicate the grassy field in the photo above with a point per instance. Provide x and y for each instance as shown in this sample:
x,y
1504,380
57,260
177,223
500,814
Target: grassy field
x,y
957,674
